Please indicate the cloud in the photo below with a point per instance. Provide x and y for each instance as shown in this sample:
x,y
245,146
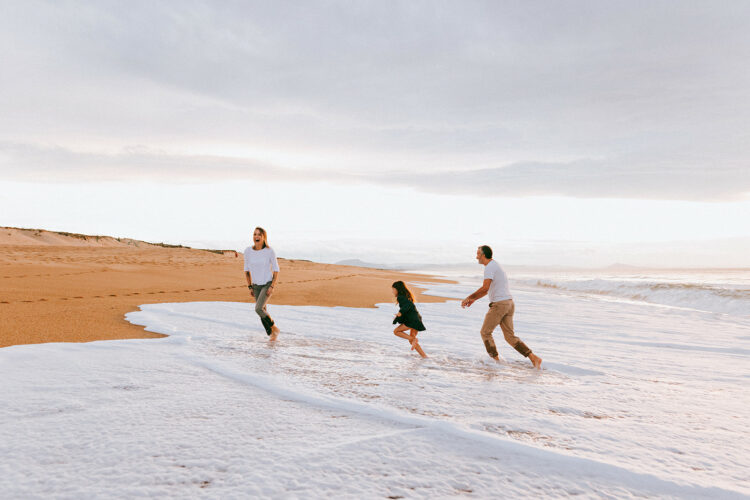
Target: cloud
x,y
598,99
53,164
578,179
591,179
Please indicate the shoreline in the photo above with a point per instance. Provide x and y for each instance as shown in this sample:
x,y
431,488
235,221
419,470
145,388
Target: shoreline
x,y
55,292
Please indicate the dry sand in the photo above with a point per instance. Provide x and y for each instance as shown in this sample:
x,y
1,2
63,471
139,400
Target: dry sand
x,y
73,288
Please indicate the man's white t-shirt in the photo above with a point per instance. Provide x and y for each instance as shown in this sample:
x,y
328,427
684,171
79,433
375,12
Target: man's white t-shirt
x,y
261,264
499,289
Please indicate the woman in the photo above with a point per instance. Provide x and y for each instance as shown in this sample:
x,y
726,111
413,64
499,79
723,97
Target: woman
x,y
262,273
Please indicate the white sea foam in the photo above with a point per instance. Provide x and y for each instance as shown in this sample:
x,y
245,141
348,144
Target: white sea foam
x,y
634,401
718,291
718,298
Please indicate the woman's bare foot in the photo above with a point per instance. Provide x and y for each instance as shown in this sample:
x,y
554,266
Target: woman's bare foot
x,y
535,360
274,333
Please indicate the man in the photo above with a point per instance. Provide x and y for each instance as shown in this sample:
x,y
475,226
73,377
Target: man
x,y
262,272
501,308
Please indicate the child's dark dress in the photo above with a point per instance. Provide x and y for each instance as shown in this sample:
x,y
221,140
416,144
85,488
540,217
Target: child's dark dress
x,y
409,314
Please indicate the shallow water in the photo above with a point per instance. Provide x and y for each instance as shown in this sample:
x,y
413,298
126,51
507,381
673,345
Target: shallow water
x,y
654,390
634,400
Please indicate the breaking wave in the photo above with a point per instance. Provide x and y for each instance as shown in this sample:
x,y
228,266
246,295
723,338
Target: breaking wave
x,y
718,298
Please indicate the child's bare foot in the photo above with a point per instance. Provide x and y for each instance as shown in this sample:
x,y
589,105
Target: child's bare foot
x,y
535,360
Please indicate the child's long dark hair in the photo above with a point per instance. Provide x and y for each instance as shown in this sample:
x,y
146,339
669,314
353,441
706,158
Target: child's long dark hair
x,y
400,287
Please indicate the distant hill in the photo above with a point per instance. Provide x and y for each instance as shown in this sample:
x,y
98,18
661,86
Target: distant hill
x,y
622,267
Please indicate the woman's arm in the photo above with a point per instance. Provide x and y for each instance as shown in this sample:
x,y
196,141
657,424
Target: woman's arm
x,y
273,284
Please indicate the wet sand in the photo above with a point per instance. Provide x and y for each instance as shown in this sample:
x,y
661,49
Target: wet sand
x,y
57,288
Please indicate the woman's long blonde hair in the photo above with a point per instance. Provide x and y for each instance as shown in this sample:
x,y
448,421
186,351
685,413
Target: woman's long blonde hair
x,y
264,234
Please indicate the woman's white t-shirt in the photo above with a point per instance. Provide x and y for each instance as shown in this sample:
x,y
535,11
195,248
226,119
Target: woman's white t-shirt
x,y
261,264
499,289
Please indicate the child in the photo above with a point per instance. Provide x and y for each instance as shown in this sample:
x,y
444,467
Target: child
x,y
408,317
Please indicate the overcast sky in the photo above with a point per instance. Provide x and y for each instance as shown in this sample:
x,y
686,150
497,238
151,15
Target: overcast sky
x,y
478,111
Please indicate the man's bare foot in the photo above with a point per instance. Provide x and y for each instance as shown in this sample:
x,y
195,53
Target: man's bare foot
x,y
535,360
274,333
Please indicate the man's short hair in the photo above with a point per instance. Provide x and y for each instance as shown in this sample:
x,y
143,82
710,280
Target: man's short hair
x,y
486,250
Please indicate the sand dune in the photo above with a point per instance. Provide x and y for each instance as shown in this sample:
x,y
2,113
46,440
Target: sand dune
x,y
42,237
57,287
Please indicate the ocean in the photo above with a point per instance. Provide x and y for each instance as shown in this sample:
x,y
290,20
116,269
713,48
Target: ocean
x,y
643,393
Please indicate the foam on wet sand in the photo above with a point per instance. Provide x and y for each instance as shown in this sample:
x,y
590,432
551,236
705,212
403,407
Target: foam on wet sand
x,y
633,401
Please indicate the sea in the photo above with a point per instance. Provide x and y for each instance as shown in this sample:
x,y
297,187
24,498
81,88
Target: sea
x,y
643,393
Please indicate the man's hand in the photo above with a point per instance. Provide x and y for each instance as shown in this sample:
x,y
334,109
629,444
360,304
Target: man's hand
x,y
467,302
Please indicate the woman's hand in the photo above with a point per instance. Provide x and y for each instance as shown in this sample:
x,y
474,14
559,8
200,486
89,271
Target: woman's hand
x,y
269,292
252,293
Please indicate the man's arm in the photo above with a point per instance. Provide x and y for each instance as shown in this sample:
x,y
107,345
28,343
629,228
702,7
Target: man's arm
x,y
481,292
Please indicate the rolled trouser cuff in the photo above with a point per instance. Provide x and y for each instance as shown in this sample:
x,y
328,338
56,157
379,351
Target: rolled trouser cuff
x,y
523,349
491,349
267,324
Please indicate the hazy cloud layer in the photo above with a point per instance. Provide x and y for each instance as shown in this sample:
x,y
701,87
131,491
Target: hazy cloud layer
x,y
584,179
585,99
24,162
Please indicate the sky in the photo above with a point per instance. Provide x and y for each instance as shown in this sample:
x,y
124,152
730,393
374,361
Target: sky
x,y
560,133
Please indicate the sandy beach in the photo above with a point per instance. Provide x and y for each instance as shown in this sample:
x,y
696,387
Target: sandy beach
x,y
59,287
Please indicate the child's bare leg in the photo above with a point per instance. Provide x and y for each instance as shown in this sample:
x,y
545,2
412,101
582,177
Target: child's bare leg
x,y
400,331
415,343
413,337
418,347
